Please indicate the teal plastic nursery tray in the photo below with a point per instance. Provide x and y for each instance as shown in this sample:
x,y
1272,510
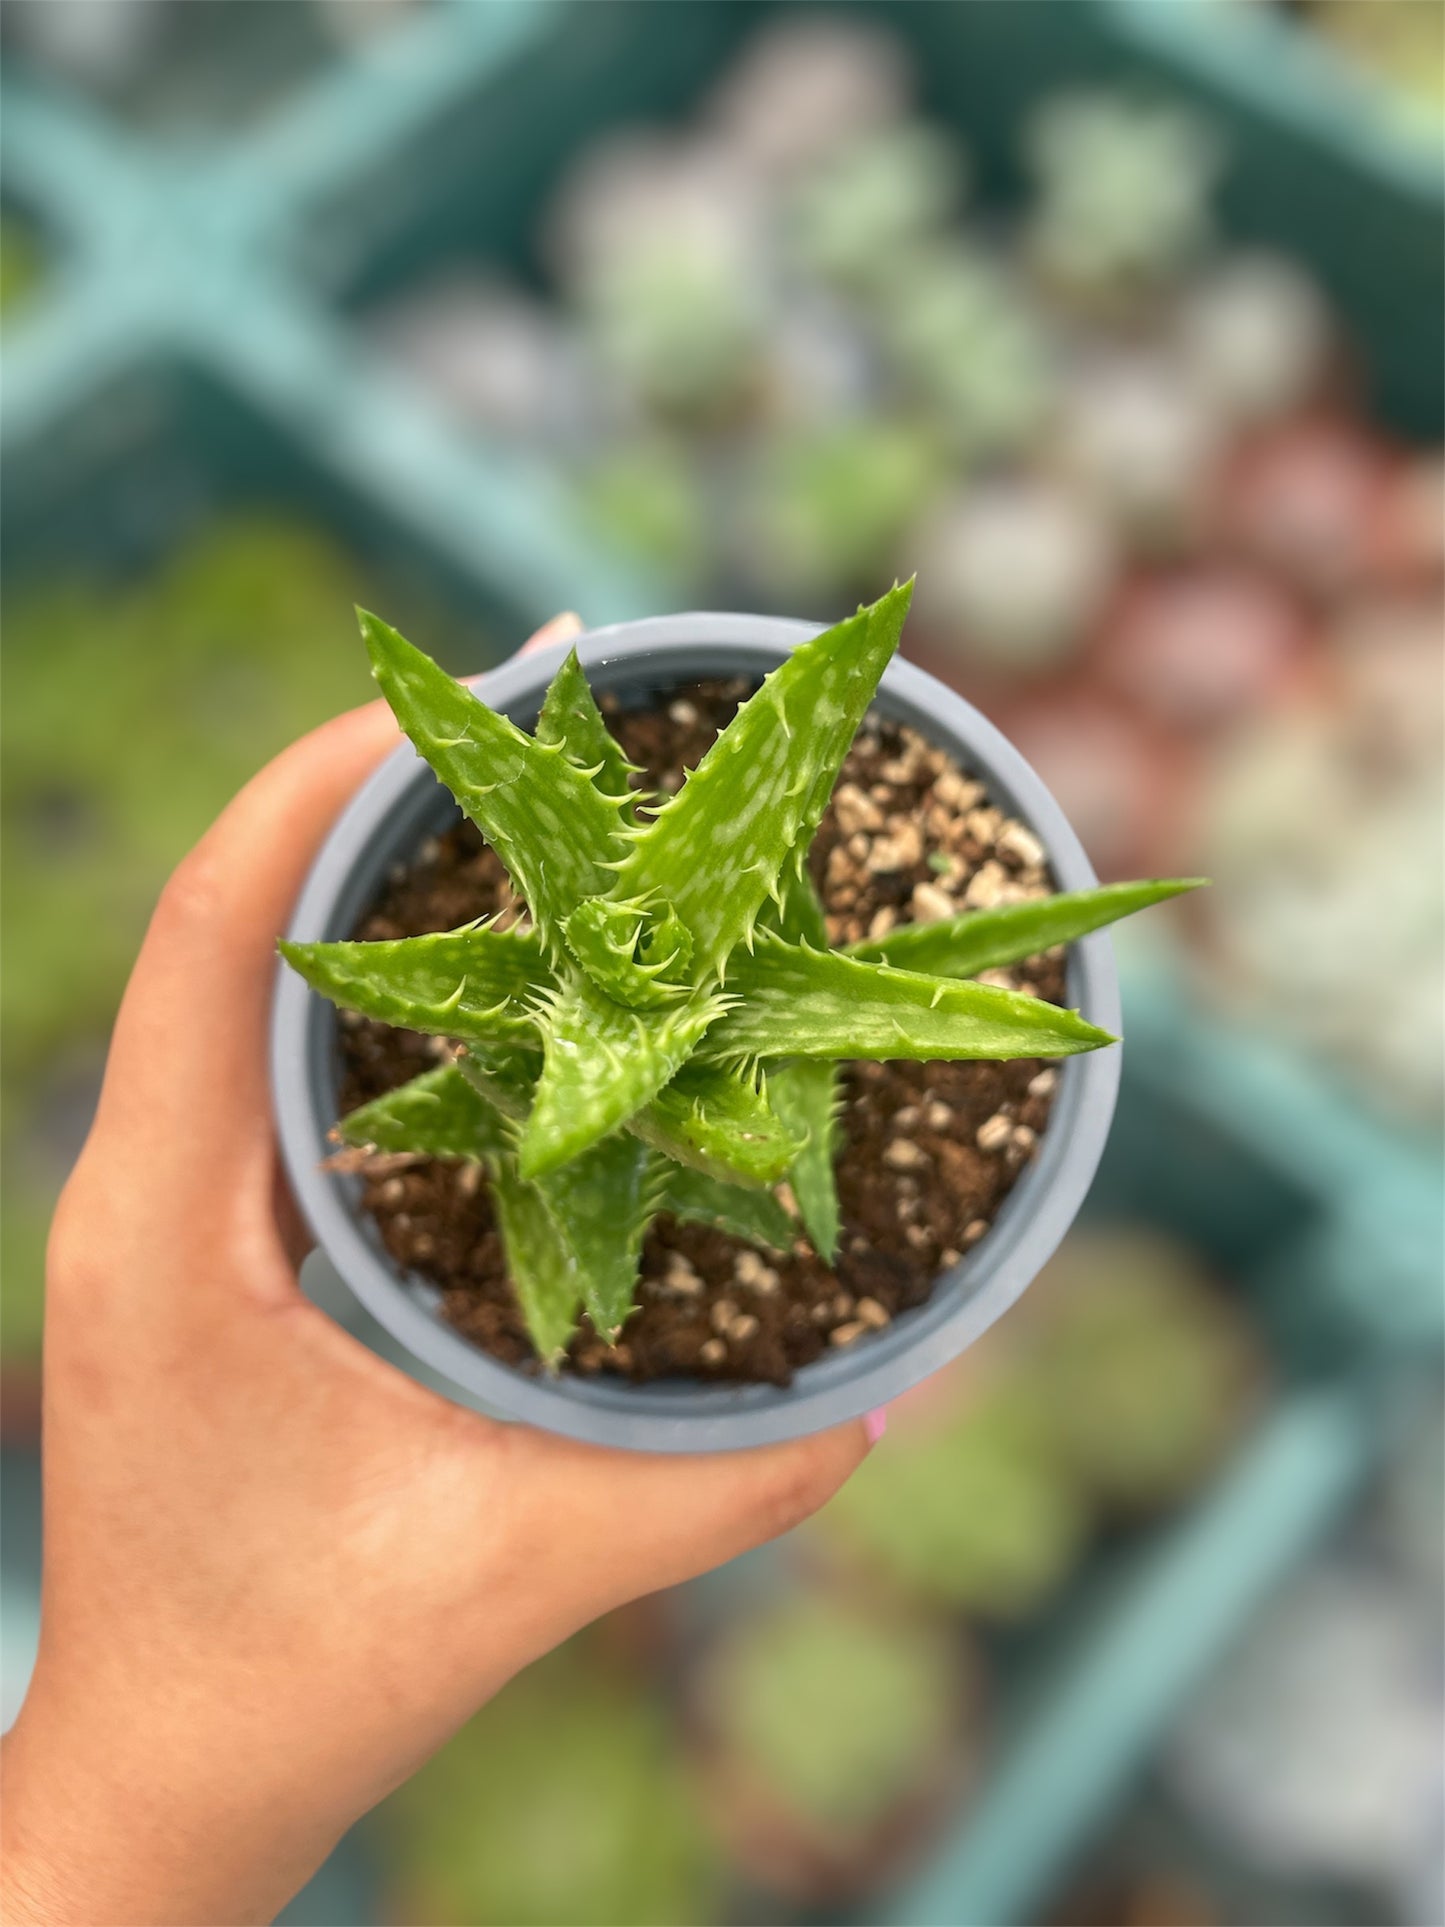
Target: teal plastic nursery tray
x,y
175,292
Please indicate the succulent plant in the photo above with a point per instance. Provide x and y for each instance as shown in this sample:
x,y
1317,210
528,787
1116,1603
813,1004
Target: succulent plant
x,y
830,505
1123,191
1141,438
976,1514
1017,568
869,204
1256,333
969,345
1143,1371
644,499
500,358
1326,826
675,324
805,84
830,1712
560,1801
662,1031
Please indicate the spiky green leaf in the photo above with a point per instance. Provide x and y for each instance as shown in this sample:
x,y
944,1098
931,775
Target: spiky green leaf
x,y
806,1093
543,1267
806,1096
475,984
720,1121
571,719
986,939
716,850
505,1074
754,1215
601,1063
604,939
436,1115
710,1118
598,1207
546,819
602,1204
796,913
808,1003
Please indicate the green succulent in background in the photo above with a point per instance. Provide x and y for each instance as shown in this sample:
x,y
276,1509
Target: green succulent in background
x,y
973,351
21,266
678,327
837,1712
1126,1380
1145,1372
561,1801
621,1052
978,1515
191,677
1123,190
644,499
871,203
831,505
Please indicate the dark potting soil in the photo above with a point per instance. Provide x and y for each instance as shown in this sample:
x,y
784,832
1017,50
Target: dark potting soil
x,y
927,1152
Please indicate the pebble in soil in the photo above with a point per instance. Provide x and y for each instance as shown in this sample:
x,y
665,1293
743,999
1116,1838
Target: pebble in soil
x,y
927,1152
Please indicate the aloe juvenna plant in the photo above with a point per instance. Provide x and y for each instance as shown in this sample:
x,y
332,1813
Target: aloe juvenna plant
x,y
665,1032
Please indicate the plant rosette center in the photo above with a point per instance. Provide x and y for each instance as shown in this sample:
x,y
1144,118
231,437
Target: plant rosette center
x,y
715,1031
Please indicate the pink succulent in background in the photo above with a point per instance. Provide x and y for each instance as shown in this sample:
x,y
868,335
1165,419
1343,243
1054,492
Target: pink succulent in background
x,y
1305,501
1202,647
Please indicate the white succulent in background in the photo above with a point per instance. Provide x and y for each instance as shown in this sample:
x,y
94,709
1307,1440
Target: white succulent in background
x,y
864,212
1324,828
968,345
1256,335
499,357
1142,438
804,85
1017,569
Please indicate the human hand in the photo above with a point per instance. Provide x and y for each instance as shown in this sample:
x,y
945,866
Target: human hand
x,y
278,1572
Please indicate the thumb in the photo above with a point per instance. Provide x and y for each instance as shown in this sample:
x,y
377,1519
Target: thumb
x,y
560,629
619,1524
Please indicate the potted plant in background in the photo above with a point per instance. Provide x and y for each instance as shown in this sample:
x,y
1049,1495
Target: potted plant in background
x,y
1110,1399
660,1033
829,1738
560,1801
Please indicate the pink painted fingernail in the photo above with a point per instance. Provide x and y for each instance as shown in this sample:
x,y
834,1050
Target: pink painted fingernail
x,y
875,1425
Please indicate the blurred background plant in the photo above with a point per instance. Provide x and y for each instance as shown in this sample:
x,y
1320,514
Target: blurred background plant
x,y
829,1735
1061,306
560,1801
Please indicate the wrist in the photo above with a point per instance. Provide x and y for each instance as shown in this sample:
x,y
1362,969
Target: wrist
x,y
103,1822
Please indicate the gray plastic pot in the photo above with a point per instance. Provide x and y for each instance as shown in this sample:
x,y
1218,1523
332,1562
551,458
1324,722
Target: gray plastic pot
x,y
403,803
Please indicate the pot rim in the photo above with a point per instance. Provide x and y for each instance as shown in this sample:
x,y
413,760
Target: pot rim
x,y
389,815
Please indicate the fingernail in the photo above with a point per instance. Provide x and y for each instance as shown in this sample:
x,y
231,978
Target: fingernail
x,y
875,1425
569,623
